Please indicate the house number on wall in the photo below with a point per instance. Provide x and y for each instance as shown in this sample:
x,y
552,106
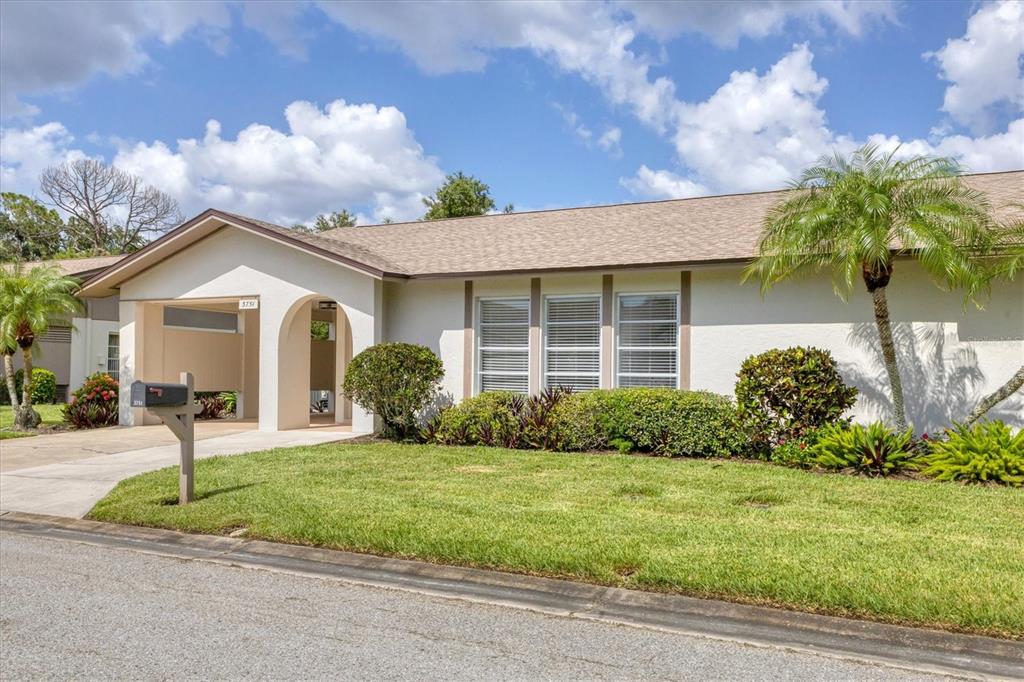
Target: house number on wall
x,y
249,304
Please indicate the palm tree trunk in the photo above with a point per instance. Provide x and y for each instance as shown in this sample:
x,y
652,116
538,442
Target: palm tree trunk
x,y
991,400
9,381
27,418
899,412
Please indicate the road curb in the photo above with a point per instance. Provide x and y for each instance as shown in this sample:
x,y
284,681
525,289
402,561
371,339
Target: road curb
x,y
904,647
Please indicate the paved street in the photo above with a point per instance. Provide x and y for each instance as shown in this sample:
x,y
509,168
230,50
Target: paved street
x,y
72,610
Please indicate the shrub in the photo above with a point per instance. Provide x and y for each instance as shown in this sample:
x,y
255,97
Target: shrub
x,y
395,381
486,419
874,449
211,405
94,404
782,394
230,399
798,452
667,422
44,387
987,452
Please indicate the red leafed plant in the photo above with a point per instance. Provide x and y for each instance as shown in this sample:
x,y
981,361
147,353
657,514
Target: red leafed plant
x,y
94,404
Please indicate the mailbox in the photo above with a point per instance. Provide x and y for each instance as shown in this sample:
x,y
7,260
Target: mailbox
x,y
158,395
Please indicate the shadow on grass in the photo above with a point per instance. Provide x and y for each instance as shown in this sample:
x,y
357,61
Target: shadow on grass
x,y
173,501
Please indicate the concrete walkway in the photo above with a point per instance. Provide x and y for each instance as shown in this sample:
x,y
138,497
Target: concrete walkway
x,y
80,467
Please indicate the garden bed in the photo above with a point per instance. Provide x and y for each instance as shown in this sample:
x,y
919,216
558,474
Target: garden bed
x,y
939,555
53,420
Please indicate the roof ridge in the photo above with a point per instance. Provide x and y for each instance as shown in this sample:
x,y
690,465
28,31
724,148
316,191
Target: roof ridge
x,y
597,206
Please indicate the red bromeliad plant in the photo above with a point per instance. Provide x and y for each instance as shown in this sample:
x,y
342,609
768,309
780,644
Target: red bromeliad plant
x,y
94,404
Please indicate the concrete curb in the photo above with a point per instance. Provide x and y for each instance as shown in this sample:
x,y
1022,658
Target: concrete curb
x,y
904,647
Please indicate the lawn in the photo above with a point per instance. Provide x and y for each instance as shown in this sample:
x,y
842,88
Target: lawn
x,y
51,414
933,554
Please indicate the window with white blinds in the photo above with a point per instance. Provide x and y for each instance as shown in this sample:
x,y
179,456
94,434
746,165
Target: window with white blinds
x,y
503,344
113,355
647,340
572,342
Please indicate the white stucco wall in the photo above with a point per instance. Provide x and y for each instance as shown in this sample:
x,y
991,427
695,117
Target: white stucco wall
x,y
89,340
430,313
233,263
950,356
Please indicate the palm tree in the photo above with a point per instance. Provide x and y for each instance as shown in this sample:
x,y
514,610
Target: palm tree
x,y
855,216
1006,262
29,299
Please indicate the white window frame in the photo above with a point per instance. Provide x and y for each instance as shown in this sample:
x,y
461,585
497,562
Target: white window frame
x,y
544,337
117,372
478,369
617,324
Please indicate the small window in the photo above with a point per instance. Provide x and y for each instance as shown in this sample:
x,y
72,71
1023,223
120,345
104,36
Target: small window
x,y
647,340
572,342
503,345
113,355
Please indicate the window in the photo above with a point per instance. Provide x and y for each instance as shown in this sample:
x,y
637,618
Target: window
x,y
572,342
647,340
113,354
503,345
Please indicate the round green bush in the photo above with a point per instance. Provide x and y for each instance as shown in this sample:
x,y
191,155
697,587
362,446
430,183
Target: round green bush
x,y
987,453
395,381
487,419
44,386
783,394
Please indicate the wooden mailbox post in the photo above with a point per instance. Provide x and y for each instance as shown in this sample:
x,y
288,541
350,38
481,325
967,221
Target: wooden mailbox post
x,y
175,405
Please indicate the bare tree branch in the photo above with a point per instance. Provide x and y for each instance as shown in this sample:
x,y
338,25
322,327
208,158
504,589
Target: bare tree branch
x,y
110,210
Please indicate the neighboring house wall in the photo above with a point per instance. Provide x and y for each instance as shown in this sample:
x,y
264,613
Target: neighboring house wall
x,y
951,356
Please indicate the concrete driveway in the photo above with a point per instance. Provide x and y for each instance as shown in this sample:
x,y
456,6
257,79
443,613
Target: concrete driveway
x,y
65,474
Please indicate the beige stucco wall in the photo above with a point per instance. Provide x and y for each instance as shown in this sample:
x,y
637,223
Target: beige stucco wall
x,y
232,264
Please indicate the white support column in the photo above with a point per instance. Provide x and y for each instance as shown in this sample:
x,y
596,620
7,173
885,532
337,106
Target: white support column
x,y
132,316
367,330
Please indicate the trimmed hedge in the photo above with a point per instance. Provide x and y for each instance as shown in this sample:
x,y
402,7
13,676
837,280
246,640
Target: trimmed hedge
x,y
781,395
659,421
44,387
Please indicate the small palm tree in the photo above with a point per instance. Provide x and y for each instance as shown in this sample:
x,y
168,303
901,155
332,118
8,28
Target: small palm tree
x,y
855,216
29,299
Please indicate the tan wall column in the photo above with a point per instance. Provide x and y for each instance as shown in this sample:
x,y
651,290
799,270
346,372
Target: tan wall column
x,y
468,354
250,364
684,330
535,339
607,332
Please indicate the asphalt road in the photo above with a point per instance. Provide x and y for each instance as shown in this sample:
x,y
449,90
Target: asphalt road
x,y
70,610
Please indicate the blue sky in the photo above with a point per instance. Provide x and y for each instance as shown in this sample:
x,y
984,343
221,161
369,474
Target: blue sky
x,y
365,106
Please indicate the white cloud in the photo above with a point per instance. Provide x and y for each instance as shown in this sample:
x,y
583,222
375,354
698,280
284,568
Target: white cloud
x,y
354,156
24,153
984,66
996,152
54,46
661,184
611,141
726,22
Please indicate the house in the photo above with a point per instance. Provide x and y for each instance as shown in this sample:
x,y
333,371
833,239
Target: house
x,y
73,349
643,294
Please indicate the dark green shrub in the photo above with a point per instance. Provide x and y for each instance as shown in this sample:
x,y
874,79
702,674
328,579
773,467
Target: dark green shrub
x,y
487,419
798,452
44,387
94,404
874,449
668,422
782,394
395,381
576,424
988,452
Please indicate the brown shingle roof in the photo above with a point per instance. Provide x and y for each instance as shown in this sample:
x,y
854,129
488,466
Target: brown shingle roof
x,y
673,232
79,266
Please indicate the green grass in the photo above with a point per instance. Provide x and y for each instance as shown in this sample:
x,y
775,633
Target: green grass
x,y
51,414
932,554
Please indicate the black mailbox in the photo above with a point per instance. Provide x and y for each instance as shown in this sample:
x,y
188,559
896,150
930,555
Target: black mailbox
x,y
158,395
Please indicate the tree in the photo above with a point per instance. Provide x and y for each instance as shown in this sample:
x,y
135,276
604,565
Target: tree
x,y
29,299
460,195
854,216
332,221
111,211
28,230
1006,261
